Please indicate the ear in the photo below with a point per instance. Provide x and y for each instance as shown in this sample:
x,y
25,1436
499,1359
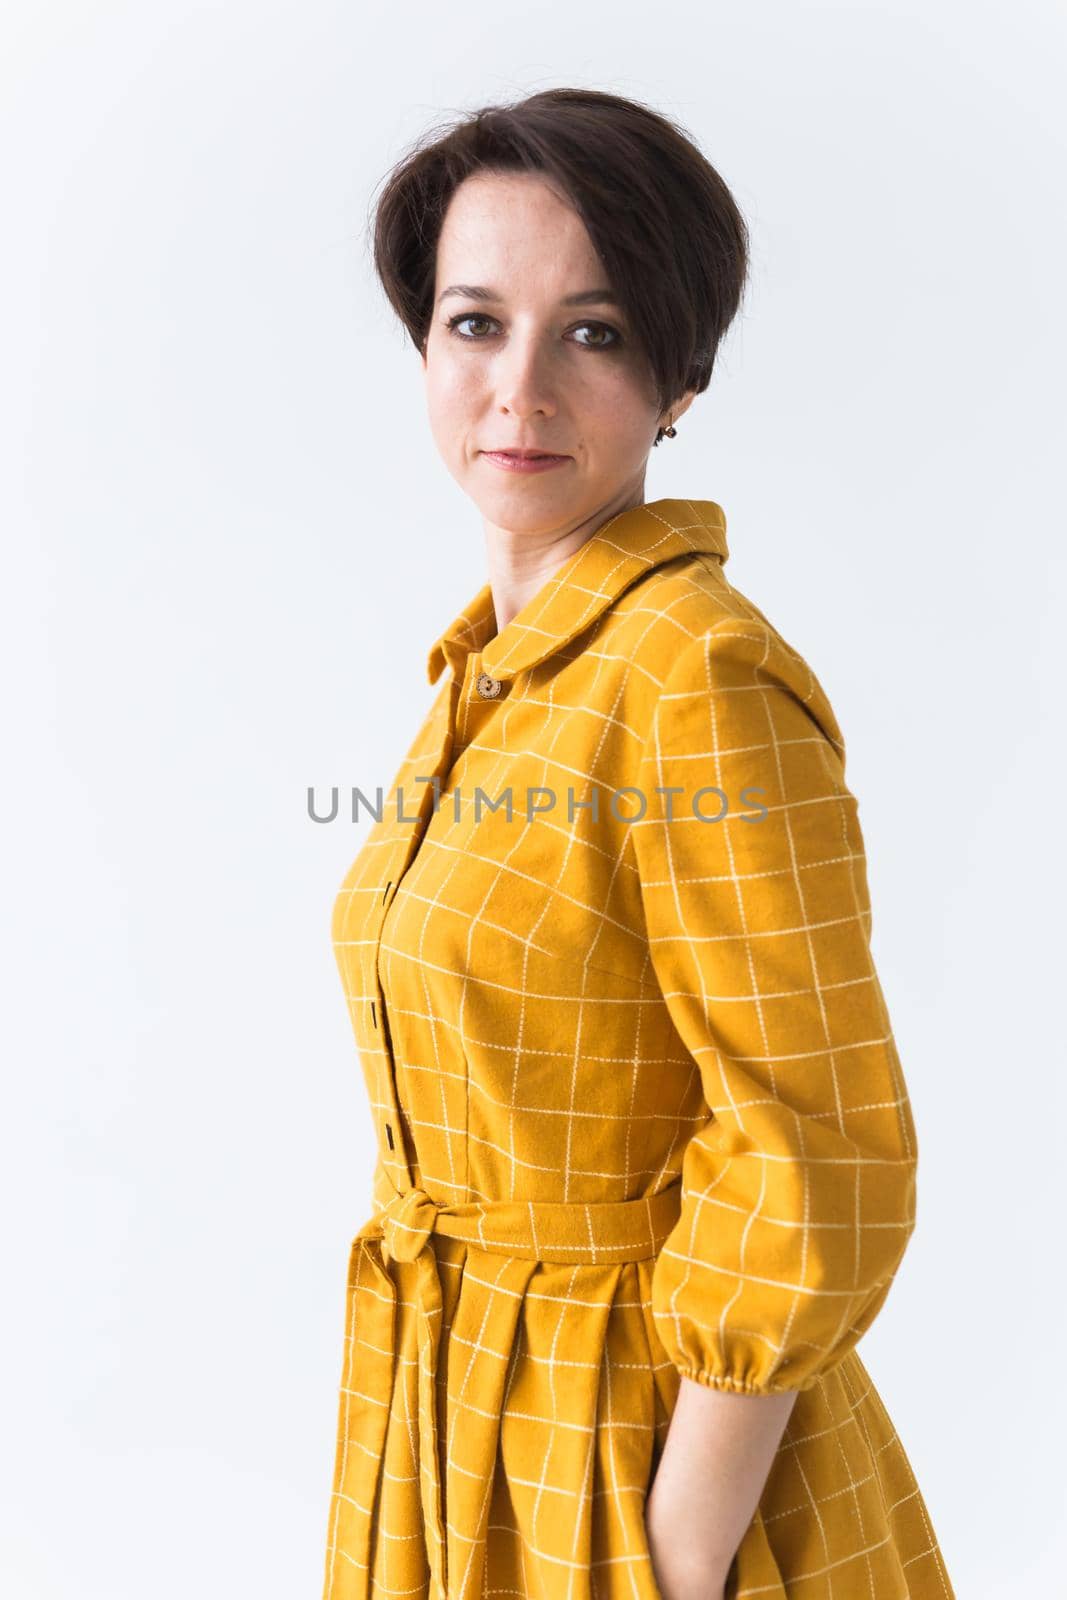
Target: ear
x,y
678,408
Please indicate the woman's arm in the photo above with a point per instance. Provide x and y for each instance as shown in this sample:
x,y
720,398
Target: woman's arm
x,y
798,1191
719,1450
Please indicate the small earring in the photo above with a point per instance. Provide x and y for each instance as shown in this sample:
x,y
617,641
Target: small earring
x,y
670,430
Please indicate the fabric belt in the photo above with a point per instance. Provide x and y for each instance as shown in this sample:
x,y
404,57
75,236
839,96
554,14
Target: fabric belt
x,y
582,1233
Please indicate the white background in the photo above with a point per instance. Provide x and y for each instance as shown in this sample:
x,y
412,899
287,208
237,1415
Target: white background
x,y
228,545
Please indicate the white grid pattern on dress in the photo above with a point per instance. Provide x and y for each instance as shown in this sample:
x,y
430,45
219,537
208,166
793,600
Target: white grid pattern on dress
x,y
576,1011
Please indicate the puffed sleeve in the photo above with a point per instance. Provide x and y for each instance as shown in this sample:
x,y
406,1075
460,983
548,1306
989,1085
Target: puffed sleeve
x,y
798,1191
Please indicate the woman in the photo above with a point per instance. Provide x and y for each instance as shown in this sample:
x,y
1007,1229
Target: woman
x,y
646,1160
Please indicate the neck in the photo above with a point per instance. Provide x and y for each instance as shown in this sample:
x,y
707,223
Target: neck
x,y
521,562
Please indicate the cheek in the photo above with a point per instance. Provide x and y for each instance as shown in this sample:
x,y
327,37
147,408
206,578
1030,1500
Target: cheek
x,y
452,387
617,408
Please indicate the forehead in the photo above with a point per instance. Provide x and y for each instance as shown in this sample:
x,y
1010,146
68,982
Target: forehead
x,y
512,223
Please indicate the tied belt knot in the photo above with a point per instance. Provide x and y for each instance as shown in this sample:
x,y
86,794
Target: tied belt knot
x,y
398,1238
407,1223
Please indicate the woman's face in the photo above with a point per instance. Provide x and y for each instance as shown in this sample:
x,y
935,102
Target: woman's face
x,y
538,358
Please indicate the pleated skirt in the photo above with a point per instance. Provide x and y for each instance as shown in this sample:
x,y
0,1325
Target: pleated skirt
x,y
554,1397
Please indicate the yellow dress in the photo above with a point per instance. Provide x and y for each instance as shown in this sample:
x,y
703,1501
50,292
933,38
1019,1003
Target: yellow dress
x,y
638,1105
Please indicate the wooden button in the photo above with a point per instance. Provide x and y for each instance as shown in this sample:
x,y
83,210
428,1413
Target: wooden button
x,y
488,687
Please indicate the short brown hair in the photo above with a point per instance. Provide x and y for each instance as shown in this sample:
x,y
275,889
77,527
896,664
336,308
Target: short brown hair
x,y
663,222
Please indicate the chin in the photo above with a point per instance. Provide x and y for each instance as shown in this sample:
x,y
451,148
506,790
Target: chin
x,y
523,505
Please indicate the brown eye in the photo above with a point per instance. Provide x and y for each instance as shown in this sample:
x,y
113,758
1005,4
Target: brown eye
x,y
468,316
600,329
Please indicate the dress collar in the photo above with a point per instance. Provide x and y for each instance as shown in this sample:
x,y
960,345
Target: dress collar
x,y
622,550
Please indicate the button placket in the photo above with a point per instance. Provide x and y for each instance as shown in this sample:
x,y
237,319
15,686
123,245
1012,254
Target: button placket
x,y
480,691
394,1121
469,702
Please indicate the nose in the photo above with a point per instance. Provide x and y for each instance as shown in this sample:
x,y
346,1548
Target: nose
x,y
525,386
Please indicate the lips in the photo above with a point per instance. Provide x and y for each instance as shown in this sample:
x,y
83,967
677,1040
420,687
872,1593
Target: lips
x,y
524,461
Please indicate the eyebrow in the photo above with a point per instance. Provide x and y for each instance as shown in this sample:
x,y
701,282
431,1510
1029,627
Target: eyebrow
x,y
584,297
